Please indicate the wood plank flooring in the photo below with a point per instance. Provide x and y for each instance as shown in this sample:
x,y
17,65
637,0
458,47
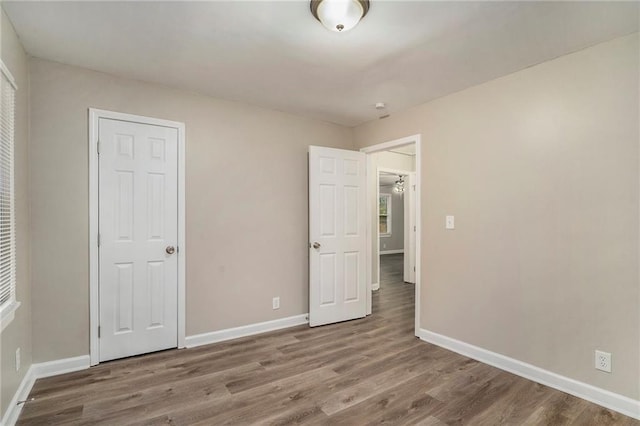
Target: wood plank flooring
x,y
367,371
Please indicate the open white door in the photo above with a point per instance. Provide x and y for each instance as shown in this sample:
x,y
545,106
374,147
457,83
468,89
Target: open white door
x,y
410,229
337,235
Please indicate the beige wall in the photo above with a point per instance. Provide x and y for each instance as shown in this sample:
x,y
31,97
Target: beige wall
x,y
18,333
540,169
246,178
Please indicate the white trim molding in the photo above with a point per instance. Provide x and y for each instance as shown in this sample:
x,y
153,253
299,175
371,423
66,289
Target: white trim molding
x,y
61,366
22,393
613,401
8,313
245,330
375,286
396,143
7,73
94,116
398,251
39,371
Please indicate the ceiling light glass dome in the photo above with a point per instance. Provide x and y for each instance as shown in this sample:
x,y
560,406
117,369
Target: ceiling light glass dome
x,y
339,15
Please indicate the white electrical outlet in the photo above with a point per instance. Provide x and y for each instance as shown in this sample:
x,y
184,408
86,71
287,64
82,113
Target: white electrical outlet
x,y
603,361
276,303
18,359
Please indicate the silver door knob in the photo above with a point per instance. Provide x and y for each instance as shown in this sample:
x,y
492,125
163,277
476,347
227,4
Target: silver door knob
x,y
170,249
316,245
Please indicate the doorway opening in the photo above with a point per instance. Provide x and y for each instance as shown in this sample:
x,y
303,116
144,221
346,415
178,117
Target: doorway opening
x,y
393,204
396,213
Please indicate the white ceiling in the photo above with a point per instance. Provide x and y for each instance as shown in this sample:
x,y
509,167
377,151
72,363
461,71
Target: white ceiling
x,y
387,179
275,54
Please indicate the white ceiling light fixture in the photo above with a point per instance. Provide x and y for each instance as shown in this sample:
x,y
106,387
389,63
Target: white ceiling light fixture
x,y
399,186
339,15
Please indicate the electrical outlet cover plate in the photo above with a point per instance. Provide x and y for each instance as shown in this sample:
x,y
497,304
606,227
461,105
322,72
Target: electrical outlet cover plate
x,y
603,361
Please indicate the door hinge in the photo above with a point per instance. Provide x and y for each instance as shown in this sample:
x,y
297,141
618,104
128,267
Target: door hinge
x,y
414,228
414,269
98,147
99,331
98,239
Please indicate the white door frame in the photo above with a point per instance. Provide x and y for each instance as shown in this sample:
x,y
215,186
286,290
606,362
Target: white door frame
x,y
94,303
385,147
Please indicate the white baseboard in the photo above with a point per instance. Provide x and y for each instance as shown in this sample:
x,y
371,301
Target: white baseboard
x,y
620,403
398,251
13,410
245,330
39,371
375,286
61,366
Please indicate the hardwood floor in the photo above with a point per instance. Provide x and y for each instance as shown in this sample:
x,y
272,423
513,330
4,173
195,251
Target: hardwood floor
x,y
366,371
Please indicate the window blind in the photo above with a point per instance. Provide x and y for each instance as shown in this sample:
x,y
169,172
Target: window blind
x,y
7,203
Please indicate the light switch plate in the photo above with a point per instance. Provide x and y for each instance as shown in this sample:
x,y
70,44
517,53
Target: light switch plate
x,y
450,222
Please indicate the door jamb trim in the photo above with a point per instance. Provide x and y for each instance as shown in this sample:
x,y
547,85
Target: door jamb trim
x,y
94,116
385,146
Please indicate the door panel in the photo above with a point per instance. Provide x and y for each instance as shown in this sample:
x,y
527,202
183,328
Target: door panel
x,y
327,273
138,218
336,208
155,275
124,298
351,281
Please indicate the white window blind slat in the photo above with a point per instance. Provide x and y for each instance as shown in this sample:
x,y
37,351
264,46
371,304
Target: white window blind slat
x,y
7,195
